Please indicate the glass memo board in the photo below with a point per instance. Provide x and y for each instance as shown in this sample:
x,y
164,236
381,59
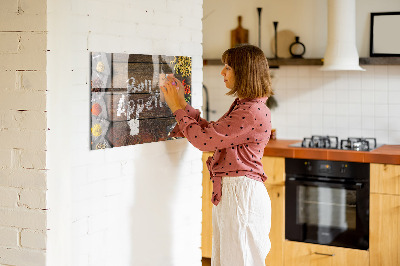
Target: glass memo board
x,y
127,106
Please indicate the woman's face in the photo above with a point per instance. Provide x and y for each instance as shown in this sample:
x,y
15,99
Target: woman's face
x,y
229,76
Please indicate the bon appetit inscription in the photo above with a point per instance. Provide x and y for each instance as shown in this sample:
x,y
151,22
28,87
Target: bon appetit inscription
x,y
127,106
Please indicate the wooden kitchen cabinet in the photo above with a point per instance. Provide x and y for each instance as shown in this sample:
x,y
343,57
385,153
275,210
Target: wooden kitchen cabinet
x,y
384,236
305,254
206,225
274,168
385,178
385,215
277,233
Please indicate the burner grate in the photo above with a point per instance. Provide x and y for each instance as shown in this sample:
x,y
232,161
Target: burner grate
x,y
327,142
332,142
358,144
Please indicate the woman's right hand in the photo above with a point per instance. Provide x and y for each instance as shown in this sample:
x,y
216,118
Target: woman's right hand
x,y
181,90
170,91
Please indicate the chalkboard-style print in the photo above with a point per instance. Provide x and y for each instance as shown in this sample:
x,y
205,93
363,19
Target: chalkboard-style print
x,y
127,106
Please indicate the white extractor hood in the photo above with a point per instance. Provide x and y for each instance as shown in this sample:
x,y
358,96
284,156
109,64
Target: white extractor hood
x,y
341,51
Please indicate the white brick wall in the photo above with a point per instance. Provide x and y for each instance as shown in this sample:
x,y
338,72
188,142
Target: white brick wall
x,y
134,205
22,132
9,197
11,256
99,203
33,239
9,237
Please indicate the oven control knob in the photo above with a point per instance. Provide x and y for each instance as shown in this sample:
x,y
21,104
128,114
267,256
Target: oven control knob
x,y
343,168
308,166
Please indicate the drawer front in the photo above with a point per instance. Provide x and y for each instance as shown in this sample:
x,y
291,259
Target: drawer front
x,y
297,253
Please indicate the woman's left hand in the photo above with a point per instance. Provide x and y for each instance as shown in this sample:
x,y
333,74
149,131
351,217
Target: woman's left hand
x,y
171,96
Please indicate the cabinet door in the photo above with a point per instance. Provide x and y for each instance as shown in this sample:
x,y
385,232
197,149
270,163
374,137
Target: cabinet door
x,y
206,232
304,254
274,168
277,233
385,178
384,230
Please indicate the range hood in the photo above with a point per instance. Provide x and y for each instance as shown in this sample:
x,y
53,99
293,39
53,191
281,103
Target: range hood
x,y
341,51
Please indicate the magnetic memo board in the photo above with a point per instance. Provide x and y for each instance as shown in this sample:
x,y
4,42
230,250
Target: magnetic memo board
x,y
127,106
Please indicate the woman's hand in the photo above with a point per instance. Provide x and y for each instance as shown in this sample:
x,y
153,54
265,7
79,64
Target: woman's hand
x,y
174,94
181,90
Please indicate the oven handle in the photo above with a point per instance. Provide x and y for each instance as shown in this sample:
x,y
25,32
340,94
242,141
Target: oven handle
x,y
357,185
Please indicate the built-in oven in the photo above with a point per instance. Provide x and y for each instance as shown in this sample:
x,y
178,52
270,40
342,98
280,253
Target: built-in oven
x,y
327,202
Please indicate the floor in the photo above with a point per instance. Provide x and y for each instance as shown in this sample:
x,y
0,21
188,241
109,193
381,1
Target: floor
x,y
206,261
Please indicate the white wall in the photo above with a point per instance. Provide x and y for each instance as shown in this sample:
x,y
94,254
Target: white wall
x,y
133,205
23,133
343,104
306,19
311,102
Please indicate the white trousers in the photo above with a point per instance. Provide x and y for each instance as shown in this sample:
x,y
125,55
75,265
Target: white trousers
x,y
241,223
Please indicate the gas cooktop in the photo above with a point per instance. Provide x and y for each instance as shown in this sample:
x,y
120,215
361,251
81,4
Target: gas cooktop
x,y
332,142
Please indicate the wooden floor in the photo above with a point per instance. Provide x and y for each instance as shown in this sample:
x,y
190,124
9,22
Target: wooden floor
x,y
206,261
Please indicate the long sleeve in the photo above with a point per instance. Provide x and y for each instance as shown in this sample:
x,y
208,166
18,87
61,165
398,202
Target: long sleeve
x,y
230,131
193,113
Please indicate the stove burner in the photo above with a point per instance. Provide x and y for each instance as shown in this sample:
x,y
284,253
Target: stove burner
x,y
332,142
358,144
328,142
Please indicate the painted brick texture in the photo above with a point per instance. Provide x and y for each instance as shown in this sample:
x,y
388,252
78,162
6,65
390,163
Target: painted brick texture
x,y
133,205
110,207
23,132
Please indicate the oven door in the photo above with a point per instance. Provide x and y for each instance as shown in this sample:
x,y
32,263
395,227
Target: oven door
x,y
327,213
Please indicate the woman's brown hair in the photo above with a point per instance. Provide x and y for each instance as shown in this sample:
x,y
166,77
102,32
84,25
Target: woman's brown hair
x,y
250,66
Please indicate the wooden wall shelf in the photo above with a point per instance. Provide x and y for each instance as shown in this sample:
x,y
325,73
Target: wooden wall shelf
x,y
380,61
274,63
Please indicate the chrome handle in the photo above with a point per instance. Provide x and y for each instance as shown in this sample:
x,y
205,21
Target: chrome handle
x,y
324,254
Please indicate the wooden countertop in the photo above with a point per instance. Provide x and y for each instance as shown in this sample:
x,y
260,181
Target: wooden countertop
x,y
389,154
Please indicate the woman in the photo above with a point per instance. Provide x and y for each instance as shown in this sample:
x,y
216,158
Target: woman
x,y
242,211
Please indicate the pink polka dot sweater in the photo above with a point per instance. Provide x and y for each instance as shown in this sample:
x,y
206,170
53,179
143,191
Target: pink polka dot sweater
x,y
238,139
